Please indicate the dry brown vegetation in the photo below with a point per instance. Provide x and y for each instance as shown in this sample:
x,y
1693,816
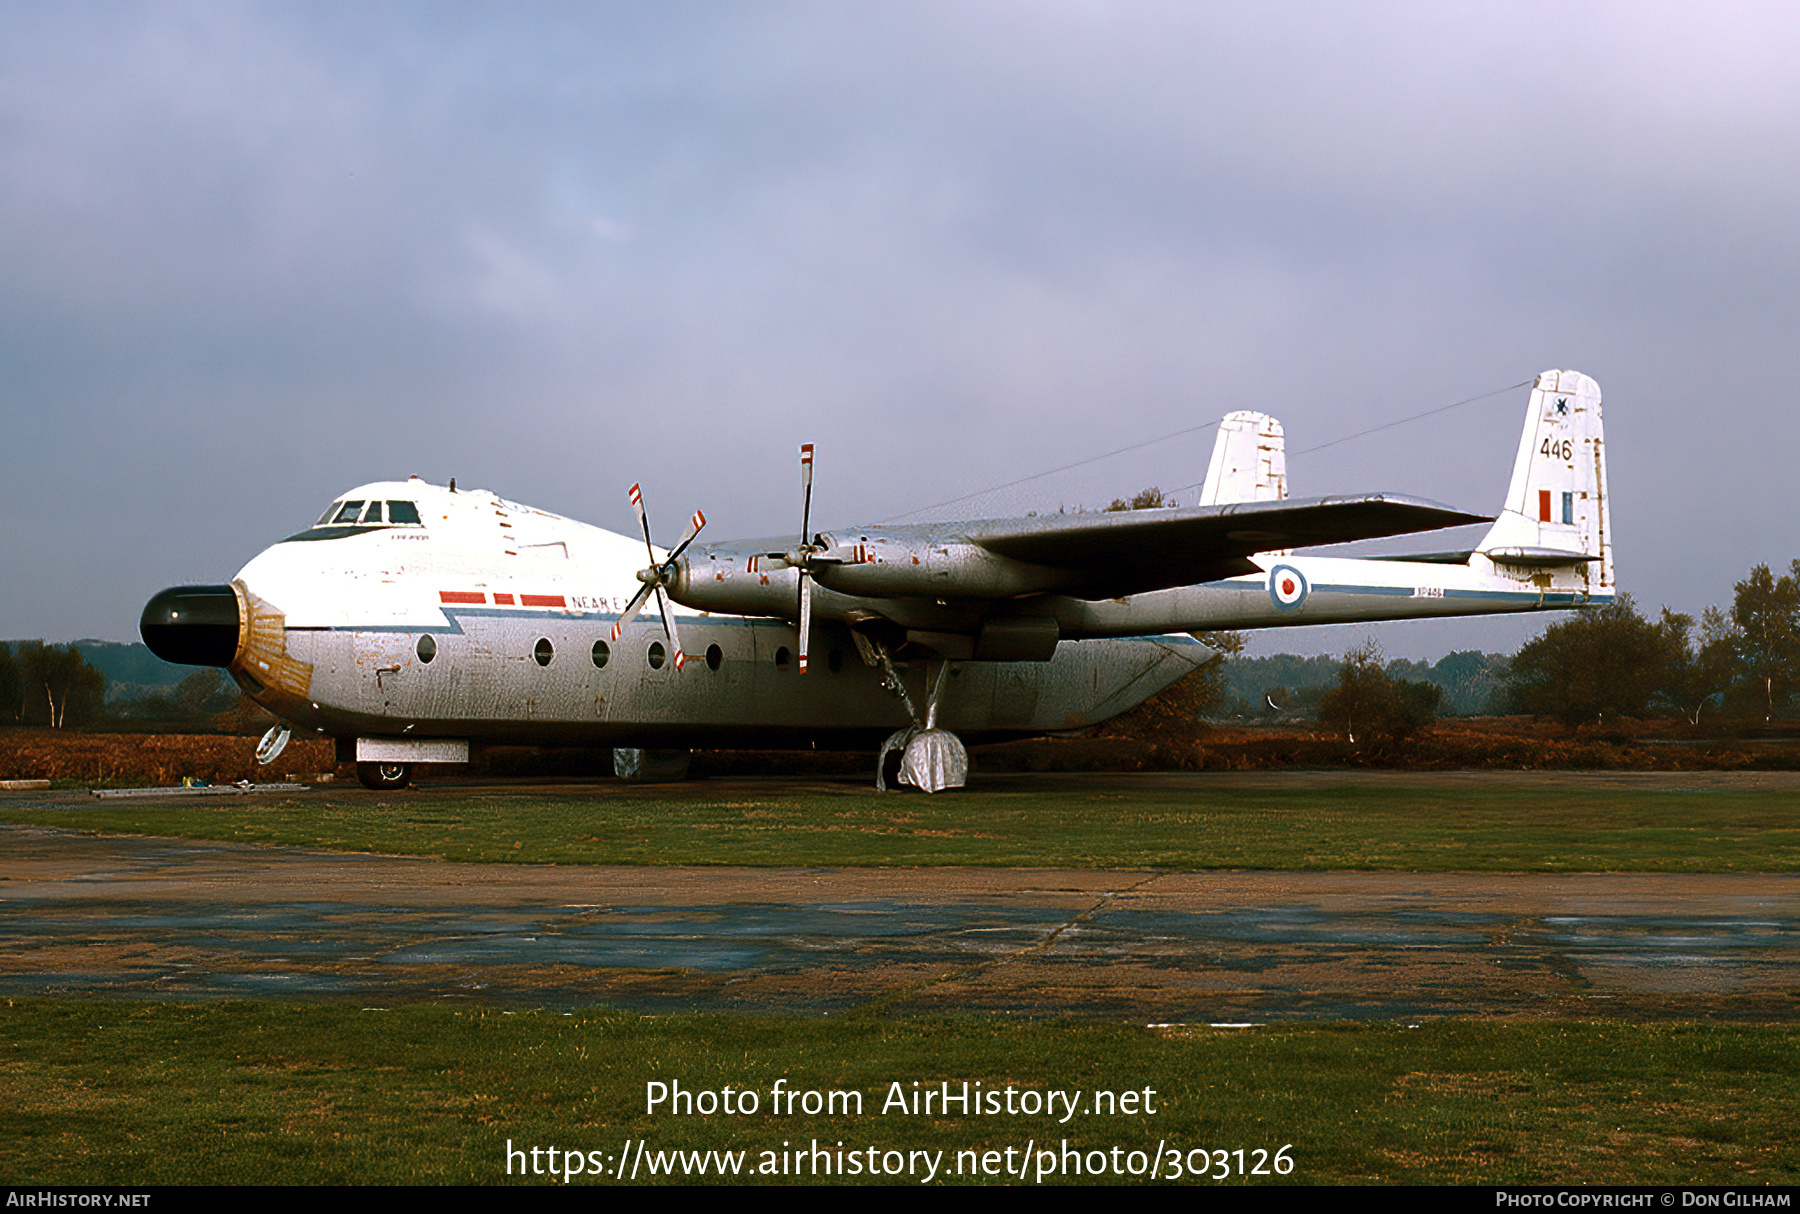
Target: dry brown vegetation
x,y
107,760
1515,743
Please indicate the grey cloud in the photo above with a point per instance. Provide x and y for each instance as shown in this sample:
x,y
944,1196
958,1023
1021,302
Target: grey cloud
x,y
250,254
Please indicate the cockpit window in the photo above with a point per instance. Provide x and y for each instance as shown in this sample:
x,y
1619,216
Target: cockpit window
x,y
360,516
344,519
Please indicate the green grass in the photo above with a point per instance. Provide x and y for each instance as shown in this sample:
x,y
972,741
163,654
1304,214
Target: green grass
x,y
1413,826
115,1092
150,1093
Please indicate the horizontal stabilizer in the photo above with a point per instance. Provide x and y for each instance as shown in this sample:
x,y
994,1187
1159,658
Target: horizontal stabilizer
x,y
1533,557
1545,557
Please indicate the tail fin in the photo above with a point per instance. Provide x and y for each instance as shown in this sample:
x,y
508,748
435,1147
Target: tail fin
x,y
1249,461
1556,515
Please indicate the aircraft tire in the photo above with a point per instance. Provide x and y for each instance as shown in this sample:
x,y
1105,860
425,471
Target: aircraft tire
x,y
384,777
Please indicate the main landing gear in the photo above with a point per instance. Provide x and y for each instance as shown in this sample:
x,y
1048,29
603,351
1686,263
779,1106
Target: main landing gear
x,y
384,777
931,759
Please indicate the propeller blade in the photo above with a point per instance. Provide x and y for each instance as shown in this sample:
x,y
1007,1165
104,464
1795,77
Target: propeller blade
x,y
637,504
698,521
805,551
630,613
662,601
806,458
805,617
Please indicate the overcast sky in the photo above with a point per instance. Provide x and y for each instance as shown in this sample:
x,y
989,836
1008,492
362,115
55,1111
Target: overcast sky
x,y
252,255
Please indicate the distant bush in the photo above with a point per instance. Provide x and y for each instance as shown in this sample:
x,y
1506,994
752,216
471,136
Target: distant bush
x,y
1603,662
1370,708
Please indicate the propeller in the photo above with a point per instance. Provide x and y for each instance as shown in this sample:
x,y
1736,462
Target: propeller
x,y
658,575
806,554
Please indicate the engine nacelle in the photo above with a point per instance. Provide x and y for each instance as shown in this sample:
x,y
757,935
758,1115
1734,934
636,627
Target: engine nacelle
x,y
901,563
736,583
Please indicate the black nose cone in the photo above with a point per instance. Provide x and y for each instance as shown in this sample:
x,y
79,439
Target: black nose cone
x,y
192,625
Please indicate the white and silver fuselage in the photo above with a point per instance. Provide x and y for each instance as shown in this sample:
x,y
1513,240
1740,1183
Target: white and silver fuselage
x,y
415,611
491,621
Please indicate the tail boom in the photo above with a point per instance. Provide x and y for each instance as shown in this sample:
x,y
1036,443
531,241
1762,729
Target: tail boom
x,y
1549,549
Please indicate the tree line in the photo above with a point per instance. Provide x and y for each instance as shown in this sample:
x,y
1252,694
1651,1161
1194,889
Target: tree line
x,y
49,685
1595,665
57,687
1612,662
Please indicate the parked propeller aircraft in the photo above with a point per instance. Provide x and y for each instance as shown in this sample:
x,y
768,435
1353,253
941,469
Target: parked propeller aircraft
x,y
413,620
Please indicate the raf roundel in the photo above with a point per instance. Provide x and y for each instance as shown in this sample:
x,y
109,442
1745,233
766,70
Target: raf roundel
x,y
1287,587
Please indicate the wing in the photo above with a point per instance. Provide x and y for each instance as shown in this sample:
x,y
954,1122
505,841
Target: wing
x,y
1135,551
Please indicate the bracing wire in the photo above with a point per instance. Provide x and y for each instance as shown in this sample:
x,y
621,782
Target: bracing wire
x,y
1387,426
1415,417
1151,442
